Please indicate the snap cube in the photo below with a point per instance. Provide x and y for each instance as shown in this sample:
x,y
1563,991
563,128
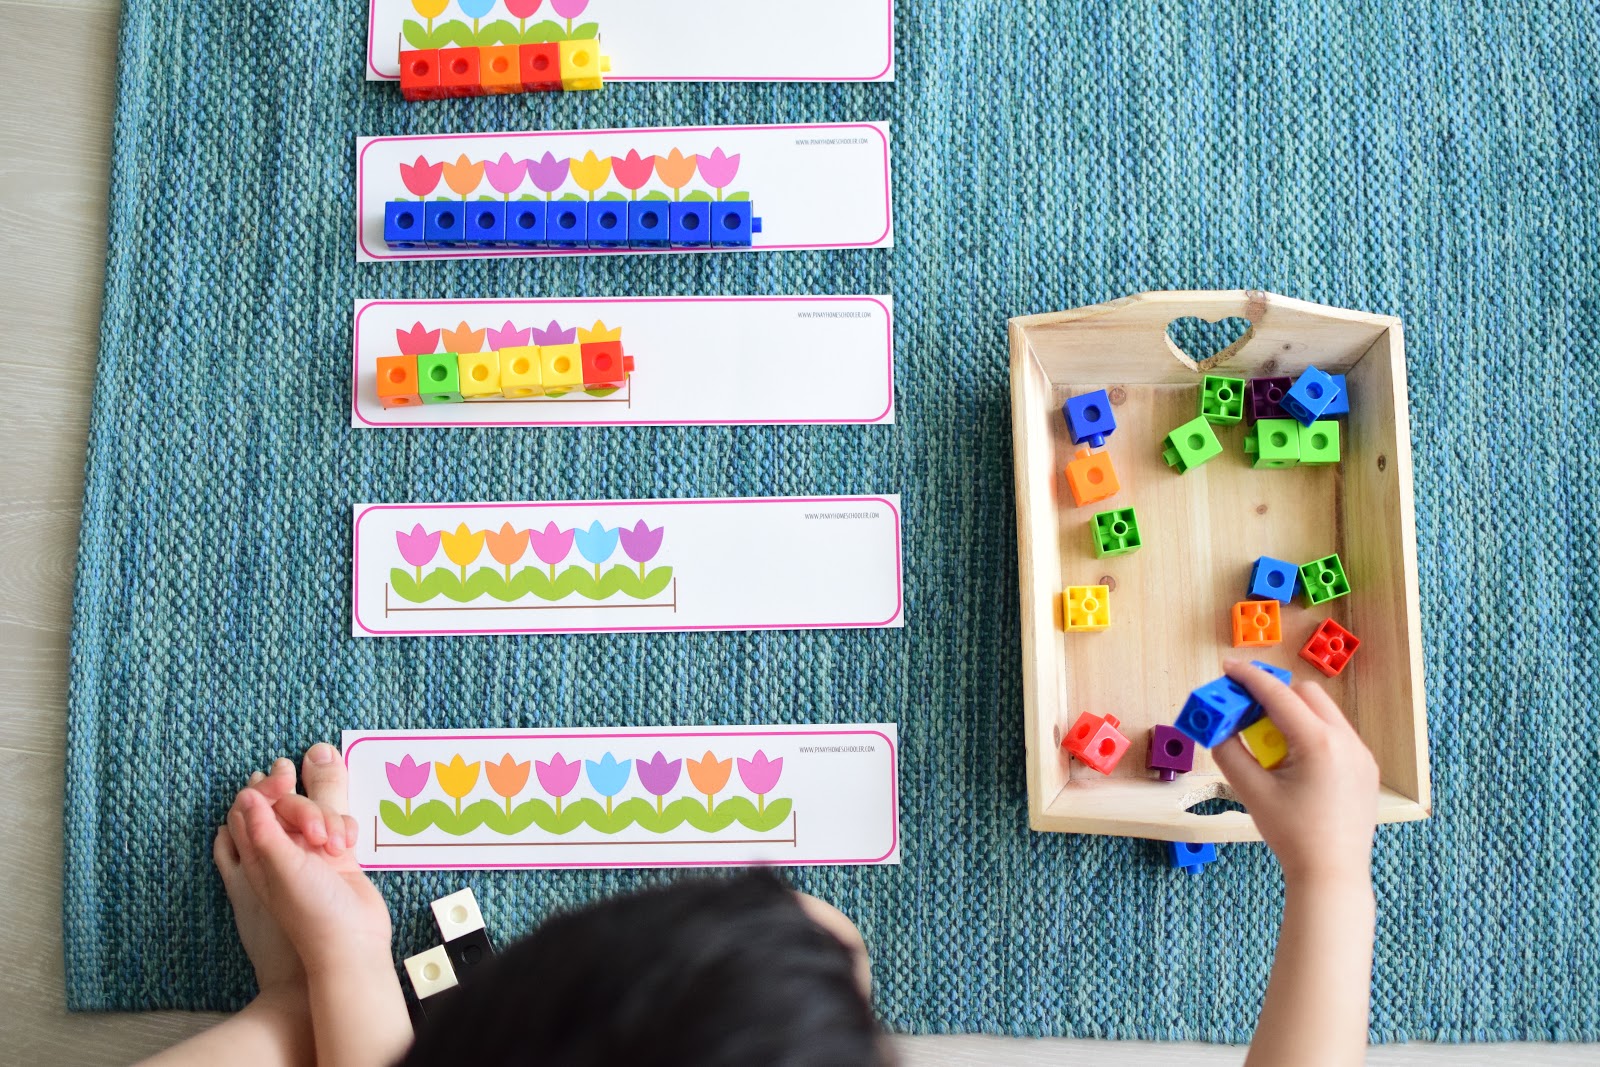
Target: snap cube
x,y
1265,742
1190,445
1214,711
1324,580
403,224
561,367
1340,407
430,972
567,224
521,372
1091,477
690,224
526,223
461,924
1116,533
1086,608
1277,672
1171,752
500,69
1309,396
419,74
458,72
1274,442
1319,442
1222,399
608,224
479,373
397,382
1096,741
1189,856
1265,398
648,224
444,224
439,378
1330,648
1257,623
486,223
1089,418
733,224
540,65
604,365
582,65
1273,579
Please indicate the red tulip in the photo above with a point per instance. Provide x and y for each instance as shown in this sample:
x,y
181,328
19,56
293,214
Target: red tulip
x,y
420,177
632,171
417,341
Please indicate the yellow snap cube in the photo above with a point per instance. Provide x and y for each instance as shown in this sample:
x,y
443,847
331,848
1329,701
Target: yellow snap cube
x,y
521,374
582,64
1086,608
562,366
1266,744
480,374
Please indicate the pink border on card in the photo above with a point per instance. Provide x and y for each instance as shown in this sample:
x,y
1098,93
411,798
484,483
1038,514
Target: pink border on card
x,y
355,370
513,253
894,793
899,567
888,60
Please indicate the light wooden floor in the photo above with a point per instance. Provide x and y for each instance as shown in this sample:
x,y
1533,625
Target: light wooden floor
x,y
55,107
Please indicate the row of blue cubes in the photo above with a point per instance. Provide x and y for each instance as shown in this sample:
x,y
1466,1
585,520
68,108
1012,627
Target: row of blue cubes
x,y
569,224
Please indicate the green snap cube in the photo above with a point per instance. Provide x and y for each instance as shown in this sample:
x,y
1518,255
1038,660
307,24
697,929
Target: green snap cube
x,y
1116,533
1319,442
1324,579
1190,445
1222,399
1274,442
439,378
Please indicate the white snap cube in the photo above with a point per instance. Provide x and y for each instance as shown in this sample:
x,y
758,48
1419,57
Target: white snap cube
x,y
457,914
430,972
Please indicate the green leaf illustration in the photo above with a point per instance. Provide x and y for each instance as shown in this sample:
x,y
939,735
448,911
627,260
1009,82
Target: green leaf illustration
x,y
613,196
656,194
573,196
737,196
586,32
543,33
530,581
416,34
698,196
585,811
498,32
453,32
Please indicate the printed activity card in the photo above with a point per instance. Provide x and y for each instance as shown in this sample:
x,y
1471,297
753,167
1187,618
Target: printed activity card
x,y
432,570
689,361
703,796
647,40
624,192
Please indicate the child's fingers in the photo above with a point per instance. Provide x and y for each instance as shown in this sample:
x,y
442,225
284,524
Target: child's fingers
x,y
223,853
1249,779
278,784
301,815
351,831
1319,701
325,777
262,838
1300,726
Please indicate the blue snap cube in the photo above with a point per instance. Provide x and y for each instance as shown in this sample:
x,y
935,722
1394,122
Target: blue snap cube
x,y
403,224
1189,857
1309,396
733,224
1089,418
1341,401
525,223
444,224
691,225
1277,672
486,223
568,224
1214,712
648,225
608,224
1273,579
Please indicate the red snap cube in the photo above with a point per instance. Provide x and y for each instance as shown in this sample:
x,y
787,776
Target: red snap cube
x,y
458,72
604,365
1330,648
1096,741
541,68
419,74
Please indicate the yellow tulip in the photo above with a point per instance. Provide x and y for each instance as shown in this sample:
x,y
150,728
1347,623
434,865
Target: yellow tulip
x,y
430,9
463,546
598,334
591,172
456,777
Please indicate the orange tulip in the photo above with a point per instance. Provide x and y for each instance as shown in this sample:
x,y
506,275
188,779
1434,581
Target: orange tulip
x,y
463,176
508,777
507,547
463,339
457,777
709,776
676,169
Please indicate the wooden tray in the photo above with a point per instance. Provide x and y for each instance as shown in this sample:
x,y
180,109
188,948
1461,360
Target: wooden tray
x,y
1201,531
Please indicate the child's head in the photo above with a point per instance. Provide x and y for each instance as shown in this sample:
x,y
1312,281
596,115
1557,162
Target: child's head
x,y
708,972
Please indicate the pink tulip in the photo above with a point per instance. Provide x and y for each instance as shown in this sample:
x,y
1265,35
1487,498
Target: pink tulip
x,y
548,172
551,545
719,169
569,9
641,543
418,547
408,778
632,171
760,776
506,174
417,341
421,177
507,337
558,777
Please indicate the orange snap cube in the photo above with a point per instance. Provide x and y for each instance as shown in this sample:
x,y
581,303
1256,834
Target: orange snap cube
x,y
397,382
1256,623
500,69
1091,477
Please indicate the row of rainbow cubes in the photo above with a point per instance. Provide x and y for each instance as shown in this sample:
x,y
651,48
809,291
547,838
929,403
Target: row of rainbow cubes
x,y
512,373
569,224
442,73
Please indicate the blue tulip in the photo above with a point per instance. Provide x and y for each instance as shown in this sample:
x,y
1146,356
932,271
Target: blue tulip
x,y
596,544
476,9
608,776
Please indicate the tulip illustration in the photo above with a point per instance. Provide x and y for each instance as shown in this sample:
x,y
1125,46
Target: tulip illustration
x,y
719,170
430,10
463,176
508,336
760,776
508,777
505,174
553,334
457,778
507,546
596,544
475,10
417,547
551,545
462,547
417,341
709,776
632,171
591,172
569,10
463,339
548,172
608,776
407,778
558,776
658,776
641,543
676,170
421,177
522,11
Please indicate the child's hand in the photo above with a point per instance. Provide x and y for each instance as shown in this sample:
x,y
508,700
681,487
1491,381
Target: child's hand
x,y
1316,809
276,963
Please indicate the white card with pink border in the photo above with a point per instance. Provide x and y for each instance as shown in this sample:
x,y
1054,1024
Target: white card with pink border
x,y
648,40
812,186
697,360
758,563
684,796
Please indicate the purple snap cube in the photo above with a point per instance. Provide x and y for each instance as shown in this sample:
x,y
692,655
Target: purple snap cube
x,y
1264,398
1171,752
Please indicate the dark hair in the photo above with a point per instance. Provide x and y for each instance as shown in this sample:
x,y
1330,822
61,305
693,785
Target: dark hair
x,y
722,972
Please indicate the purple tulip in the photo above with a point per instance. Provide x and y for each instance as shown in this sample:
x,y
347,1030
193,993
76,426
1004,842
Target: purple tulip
x,y
507,337
760,776
407,778
505,174
719,169
569,10
641,543
551,545
658,776
553,334
548,172
417,547
558,777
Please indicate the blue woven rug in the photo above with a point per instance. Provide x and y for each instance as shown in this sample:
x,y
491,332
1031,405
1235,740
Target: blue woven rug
x,y
1434,161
